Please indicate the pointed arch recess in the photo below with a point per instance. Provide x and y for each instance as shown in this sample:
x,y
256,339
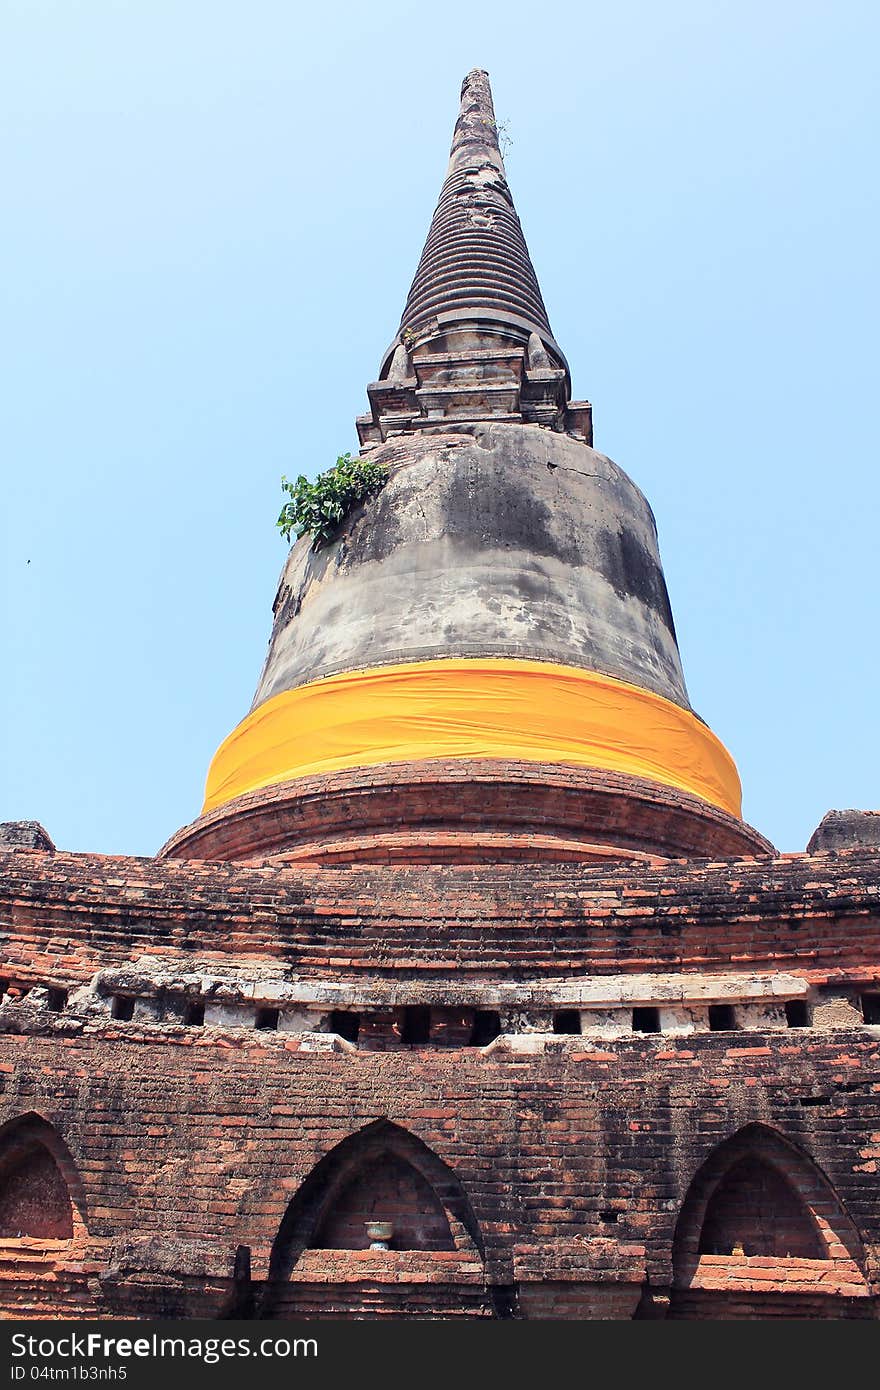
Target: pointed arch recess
x,y
760,1195
41,1194
374,1163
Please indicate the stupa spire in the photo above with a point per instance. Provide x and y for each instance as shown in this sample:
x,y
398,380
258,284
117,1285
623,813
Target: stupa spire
x,y
474,342
475,129
475,257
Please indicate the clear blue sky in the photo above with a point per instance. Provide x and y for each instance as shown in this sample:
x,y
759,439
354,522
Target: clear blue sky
x,y
210,214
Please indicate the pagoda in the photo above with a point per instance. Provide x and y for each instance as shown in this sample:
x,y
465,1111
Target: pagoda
x,y
469,993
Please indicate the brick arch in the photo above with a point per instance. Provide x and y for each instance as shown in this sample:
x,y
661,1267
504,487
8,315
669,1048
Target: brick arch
x,y
336,1194
759,1197
41,1195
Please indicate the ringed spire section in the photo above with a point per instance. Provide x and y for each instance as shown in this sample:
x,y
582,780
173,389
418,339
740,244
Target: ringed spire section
x,y
475,257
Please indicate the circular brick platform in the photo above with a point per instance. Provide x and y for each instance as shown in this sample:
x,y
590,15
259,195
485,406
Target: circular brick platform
x,y
465,812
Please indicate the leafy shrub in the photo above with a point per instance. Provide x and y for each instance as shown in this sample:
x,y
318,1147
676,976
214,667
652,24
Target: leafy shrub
x,y
318,508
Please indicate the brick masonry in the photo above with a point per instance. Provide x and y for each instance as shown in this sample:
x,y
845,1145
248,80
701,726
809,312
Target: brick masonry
x,y
574,1044
482,810
210,1166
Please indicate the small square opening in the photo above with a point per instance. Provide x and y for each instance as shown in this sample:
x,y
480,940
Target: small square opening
x,y
567,1021
194,1013
722,1018
646,1019
797,1015
416,1026
122,1007
57,999
266,1018
486,1027
346,1023
871,1007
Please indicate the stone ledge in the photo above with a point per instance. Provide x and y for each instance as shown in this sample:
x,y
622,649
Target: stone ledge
x,y
387,1266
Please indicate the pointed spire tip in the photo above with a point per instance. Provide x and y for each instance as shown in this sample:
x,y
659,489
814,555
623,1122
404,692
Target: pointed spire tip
x,y
475,75
475,129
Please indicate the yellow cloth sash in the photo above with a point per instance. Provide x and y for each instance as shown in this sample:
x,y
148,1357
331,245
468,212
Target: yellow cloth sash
x,y
481,708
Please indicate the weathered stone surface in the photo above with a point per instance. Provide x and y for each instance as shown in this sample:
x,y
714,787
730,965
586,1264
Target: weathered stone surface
x,y
845,830
25,834
507,541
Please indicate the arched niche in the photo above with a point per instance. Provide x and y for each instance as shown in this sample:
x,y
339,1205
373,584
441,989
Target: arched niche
x,y
755,1210
380,1173
40,1191
761,1220
385,1188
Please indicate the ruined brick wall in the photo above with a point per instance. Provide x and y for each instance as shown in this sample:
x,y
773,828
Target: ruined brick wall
x,y
66,915
574,1170
575,1161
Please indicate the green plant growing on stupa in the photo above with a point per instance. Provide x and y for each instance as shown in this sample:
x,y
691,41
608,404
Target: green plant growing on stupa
x,y
318,509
